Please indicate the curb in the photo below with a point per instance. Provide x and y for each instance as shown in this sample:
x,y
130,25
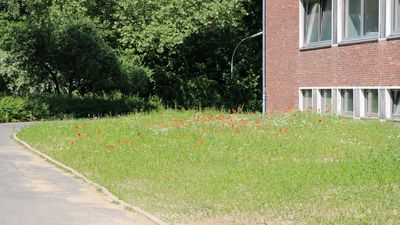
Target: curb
x,y
96,185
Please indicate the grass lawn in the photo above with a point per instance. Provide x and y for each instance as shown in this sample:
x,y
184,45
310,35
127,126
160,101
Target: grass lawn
x,y
216,168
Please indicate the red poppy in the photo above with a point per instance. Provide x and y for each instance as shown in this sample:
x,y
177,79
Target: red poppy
x,y
73,142
139,133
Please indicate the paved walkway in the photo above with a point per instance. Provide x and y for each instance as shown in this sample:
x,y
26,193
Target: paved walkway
x,y
33,192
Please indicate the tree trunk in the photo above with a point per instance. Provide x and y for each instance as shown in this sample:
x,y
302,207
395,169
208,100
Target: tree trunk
x,y
53,77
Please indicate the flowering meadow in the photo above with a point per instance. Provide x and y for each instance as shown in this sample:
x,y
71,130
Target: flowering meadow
x,y
212,167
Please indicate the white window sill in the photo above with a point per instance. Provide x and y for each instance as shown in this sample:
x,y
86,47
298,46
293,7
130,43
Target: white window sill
x,y
359,40
347,114
317,45
396,118
393,36
371,116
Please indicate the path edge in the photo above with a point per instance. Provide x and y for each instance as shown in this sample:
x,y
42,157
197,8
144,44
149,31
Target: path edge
x,y
94,184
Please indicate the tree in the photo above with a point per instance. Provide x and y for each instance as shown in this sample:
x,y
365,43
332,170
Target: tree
x,y
83,59
188,44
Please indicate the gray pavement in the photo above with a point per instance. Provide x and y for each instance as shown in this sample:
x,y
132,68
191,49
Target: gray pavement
x,y
35,192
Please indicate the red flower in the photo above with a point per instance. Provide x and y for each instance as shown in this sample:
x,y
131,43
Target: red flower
x,y
138,133
201,142
73,142
79,134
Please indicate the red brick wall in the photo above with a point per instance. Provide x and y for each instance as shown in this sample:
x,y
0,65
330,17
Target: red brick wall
x,y
288,68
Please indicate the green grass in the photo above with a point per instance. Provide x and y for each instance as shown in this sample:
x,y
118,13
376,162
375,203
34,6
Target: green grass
x,y
186,166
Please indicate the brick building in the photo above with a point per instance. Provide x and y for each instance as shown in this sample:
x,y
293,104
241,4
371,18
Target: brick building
x,y
334,56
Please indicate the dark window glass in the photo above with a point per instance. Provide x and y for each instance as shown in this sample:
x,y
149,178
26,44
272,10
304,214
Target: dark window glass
x,y
326,102
371,17
307,99
372,102
396,16
347,101
353,18
361,18
318,21
396,102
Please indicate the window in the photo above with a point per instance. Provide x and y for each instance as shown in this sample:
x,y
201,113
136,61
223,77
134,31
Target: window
x,y
371,102
396,16
395,94
318,21
326,100
347,102
361,18
307,99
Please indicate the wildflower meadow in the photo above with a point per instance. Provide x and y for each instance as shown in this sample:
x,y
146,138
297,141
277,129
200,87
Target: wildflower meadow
x,y
235,168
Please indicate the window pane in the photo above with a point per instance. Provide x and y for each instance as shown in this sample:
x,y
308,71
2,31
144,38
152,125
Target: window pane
x,y
326,29
371,16
348,106
372,101
312,19
396,102
353,18
326,101
397,15
307,99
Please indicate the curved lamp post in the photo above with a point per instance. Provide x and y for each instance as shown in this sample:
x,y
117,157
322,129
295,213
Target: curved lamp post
x,y
264,110
237,46
264,46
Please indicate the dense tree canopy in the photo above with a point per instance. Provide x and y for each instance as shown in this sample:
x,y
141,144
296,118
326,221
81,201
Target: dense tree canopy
x,y
178,50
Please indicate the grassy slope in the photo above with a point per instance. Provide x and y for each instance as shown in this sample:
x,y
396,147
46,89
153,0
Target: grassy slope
x,y
189,165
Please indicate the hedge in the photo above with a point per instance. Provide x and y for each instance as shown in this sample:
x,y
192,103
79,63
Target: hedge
x,y
32,108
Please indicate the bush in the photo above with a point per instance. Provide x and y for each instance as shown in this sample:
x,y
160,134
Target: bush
x,y
14,109
138,79
30,108
79,107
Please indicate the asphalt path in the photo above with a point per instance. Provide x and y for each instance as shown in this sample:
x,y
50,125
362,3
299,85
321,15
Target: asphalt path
x,y
32,191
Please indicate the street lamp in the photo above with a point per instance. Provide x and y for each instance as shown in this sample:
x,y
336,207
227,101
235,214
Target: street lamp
x,y
237,46
264,109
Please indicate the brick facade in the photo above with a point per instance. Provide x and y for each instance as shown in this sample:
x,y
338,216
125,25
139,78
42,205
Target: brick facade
x,y
288,68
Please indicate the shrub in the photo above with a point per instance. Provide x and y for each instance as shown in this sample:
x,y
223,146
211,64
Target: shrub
x,y
138,79
13,109
35,107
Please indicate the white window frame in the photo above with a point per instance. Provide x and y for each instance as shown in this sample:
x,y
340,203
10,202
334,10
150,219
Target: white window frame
x,y
385,108
342,25
347,113
302,22
390,19
391,105
364,104
301,99
321,102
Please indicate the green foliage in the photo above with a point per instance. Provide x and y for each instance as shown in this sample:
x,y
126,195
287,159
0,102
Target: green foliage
x,y
36,107
178,50
82,58
157,26
78,107
72,56
188,44
14,109
138,80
